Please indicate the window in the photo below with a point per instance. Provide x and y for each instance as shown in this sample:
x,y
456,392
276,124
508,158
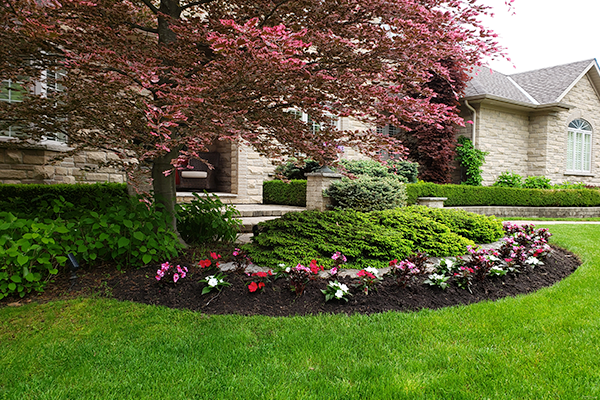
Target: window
x,y
388,130
315,126
11,92
579,147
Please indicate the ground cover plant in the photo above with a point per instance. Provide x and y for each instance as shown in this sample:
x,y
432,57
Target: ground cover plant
x,y
536,346
368,239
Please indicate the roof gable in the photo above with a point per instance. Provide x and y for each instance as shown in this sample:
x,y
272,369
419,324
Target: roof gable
x,y
542,86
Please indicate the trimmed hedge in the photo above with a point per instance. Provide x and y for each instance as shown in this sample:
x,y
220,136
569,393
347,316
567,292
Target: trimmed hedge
x,y
464,195
292,193
35,199
367,193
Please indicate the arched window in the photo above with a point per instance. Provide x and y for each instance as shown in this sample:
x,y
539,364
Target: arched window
x,y
579,146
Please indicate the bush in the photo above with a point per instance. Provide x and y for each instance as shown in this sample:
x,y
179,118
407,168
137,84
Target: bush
x,y
478,228
407,169
571,185
537,182
366,239
471,159
463,195
128,234
292,193
509,179
367,193
207,219
40,200
295,170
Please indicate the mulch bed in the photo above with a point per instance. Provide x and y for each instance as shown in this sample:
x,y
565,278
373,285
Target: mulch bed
x,y
277,300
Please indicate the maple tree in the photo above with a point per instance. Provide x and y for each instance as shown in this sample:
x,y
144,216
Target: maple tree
x,y
155,80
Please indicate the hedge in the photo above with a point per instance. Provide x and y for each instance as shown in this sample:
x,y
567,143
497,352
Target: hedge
x,y
465,195
291,193
32,199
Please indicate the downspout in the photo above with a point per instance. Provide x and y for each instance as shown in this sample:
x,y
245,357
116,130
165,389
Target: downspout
x,y
474,130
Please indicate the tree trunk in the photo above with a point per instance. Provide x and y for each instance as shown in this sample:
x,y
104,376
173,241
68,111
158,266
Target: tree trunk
x,y
164,188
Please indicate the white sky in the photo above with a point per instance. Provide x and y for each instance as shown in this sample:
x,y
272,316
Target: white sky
x,y
545,33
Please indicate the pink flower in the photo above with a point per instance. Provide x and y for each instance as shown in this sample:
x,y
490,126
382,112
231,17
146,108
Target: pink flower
x,y
215,256
175,277
333,271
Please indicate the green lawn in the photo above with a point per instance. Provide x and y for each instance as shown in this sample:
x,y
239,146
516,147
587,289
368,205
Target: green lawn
x,y
540,346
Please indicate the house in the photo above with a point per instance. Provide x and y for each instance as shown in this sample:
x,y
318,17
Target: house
x,y
543,122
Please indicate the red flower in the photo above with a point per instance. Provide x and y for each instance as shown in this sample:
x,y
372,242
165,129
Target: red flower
x,y
253,287
204,263
215,255
261,285
314,268
393,262
260,274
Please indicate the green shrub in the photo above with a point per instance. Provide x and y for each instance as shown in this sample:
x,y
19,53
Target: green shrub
x,y
292,193
407,169
367,194
295,170
40,200
471,159
478,228
207,219
366,239
509,179
537,182
569,185
463,195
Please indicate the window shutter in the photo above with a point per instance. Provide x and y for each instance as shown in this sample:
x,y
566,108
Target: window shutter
x,y
570,146
587,152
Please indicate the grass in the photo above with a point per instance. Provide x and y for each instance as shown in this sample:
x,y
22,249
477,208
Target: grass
x,y
541,346
549,219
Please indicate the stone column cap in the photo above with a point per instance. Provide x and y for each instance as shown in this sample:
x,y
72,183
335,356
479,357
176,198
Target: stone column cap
x,y
325,174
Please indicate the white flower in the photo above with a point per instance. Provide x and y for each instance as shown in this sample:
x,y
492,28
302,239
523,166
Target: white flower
x,y
212,281
343,287
288,269
339,294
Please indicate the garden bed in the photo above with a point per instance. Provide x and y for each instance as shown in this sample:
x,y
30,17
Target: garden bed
x,y
277,300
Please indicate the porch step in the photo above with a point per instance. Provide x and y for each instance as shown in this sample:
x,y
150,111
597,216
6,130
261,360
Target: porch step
x,y
252,214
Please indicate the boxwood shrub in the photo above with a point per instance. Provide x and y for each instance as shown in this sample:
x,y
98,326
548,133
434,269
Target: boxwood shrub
x,y
291,193
367,239
464,195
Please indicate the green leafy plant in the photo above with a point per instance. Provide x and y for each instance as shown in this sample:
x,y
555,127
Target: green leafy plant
x,y
439,280
509,179
537,182
407,169
291,193
207,219
471,159
367,193
295,169
214,282
336,291
569,185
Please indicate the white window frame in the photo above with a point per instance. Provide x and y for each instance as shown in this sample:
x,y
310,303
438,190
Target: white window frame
x,y
315,126
387,130
12,131
579,147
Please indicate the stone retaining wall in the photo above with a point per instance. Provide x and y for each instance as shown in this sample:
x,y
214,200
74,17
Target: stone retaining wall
x,y
534,212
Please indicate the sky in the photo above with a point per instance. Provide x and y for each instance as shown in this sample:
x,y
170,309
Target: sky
x,y
544,33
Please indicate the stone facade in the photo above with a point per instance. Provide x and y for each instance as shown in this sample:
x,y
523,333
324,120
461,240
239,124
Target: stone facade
x,y
34,164
530,139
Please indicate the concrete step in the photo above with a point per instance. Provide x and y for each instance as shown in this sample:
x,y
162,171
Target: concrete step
x,y
252,214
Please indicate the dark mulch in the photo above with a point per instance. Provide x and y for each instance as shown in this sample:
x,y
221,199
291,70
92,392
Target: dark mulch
x,y
277,300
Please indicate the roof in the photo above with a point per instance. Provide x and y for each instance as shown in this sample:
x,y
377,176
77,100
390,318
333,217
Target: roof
x,y
538,87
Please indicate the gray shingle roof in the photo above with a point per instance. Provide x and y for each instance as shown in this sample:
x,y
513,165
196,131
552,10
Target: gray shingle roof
x,y
545,85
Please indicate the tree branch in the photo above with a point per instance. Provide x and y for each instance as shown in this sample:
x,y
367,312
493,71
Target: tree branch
x,y
195,3
143,28
269,15
150,6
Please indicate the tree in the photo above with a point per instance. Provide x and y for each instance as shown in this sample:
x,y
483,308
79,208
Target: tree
x,y
153,79
432,145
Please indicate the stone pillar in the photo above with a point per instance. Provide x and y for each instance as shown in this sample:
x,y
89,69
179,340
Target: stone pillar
x,y
316,182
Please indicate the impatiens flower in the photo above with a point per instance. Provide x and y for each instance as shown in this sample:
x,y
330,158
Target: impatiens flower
x,y
212,281
252,287
175,277
339,294
215,256
333,271
204,263
236,252
261,285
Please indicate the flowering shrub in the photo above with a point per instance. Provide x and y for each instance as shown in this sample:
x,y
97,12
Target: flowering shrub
x,y
299,276
261,279
171,273
214,282
208,263
337,291
368,277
